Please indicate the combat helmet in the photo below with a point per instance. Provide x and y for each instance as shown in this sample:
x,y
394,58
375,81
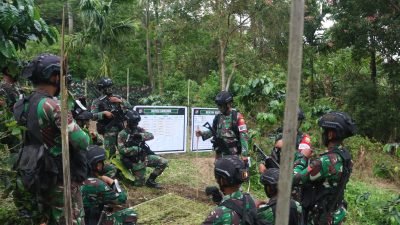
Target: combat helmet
x,y
232,169
223,97
104,83
41,68
340,122
132,117
94,155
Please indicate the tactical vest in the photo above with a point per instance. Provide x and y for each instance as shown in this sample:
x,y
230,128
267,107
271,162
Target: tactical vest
x,y
106,124
326,200
234,127
38,168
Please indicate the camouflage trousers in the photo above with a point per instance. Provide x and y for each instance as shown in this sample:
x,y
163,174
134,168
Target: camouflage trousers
x,y
110,143
51,205
139,169
123,217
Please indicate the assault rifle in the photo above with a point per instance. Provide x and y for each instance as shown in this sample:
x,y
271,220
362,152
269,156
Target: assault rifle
x,y
216,141
268,161
117,119
137,140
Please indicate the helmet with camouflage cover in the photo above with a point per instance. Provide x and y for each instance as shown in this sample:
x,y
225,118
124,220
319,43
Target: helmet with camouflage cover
x,y
42,68
232,169
132,117
340,122
94,155
223,97
12,69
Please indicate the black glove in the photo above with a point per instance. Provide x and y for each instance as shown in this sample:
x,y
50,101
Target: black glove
x,y
215,193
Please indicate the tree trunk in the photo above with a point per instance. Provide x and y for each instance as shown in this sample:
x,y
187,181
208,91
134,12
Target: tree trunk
x,y
70,18
158,51
149,66
222,45
372,66
312,81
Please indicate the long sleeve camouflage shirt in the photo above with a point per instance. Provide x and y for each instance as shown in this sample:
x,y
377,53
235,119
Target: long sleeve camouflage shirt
x,y
96,193
98,111
127,133
225,131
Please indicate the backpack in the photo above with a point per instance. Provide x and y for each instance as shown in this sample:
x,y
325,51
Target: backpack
x,y
35,165
234,127
248,216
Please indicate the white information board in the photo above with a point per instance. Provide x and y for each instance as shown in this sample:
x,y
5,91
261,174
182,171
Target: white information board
x,y
199,117
168,125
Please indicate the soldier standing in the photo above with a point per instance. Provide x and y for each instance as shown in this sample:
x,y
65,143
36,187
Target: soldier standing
x,y
41,114
101,193
235,207
136,155
328,174
9,90
229,130
109,111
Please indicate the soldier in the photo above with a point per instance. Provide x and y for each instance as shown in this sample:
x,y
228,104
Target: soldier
x,y
83,117
9,90
229,129
300,138
328,174
101,194
266,212
109,111
235,207
41,114
136,154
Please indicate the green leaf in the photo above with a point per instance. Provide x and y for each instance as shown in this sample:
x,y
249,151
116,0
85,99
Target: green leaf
x,y
16,131
117,162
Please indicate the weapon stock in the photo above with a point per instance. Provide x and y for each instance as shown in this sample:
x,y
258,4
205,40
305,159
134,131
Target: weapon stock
x,y
268,161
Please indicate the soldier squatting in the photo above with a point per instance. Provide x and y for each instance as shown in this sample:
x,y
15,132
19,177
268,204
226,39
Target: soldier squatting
x,y
97,197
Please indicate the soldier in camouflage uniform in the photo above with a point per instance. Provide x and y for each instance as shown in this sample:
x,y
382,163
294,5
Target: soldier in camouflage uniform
x,y
229,130
266,211
101,194
328,174
82,117
41,114
109,111
136,155
235,207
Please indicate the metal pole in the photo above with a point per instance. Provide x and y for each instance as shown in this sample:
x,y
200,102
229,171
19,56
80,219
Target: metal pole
x,y
64,131
127,84
291,107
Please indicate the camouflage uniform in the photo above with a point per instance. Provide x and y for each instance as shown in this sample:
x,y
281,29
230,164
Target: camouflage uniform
x,y
51,202
96,194
223,215
266,212
136,156
323,174
98,107
225,130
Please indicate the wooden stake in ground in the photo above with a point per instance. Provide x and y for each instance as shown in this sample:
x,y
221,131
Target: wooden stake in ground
x,y
64,131
197,159
291,107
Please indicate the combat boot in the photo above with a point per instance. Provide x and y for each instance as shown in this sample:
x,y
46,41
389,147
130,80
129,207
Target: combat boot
x,y
152,183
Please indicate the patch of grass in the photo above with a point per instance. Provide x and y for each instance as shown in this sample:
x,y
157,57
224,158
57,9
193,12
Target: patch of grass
x,y
172,209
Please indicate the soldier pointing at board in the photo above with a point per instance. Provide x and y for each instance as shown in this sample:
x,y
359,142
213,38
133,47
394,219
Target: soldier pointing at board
x,y
228,130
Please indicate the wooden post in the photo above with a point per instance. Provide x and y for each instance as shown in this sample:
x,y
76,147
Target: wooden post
x,y
188,94
127,84
291,107
64,131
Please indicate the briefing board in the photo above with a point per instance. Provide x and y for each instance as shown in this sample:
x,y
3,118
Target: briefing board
x,y
168,125
199,117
